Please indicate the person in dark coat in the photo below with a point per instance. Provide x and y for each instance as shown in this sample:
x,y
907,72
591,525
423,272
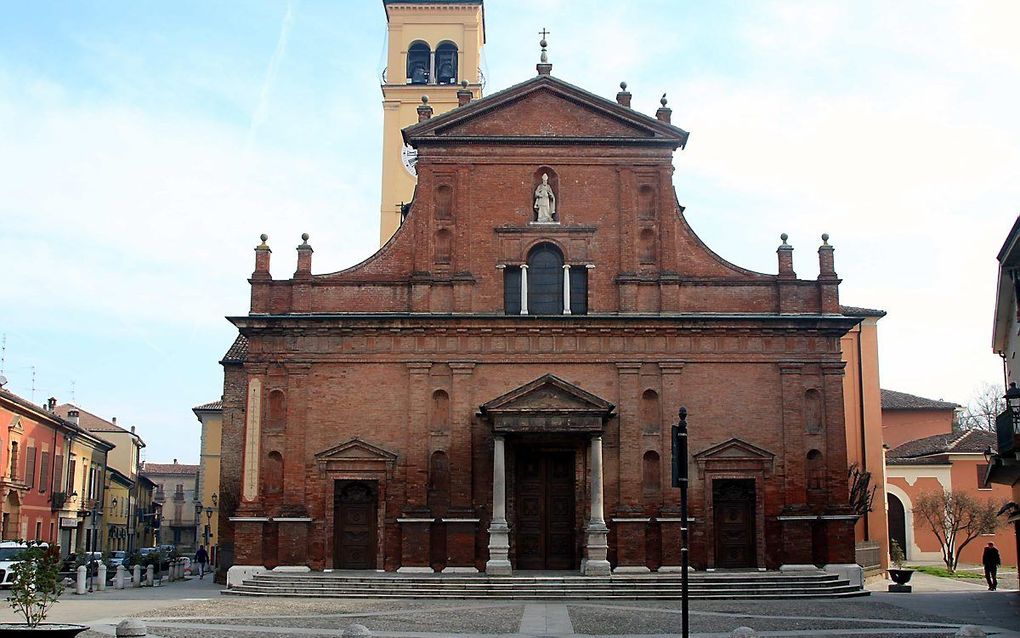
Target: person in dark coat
x,y
991,560
202,558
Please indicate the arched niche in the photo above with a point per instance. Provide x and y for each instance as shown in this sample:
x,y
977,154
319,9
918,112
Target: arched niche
x,y
276,419
419,63
446,63
440,411
651,478
443,245
651,412
814,474
273,473
813,412
443,201
554,184
646,246
439,483
646,202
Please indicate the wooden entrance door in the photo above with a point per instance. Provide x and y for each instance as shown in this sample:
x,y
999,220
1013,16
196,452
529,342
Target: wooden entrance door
x,y
354,525
733,502
544,506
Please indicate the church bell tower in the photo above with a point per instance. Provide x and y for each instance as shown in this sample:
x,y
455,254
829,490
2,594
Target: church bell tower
x,y
434,46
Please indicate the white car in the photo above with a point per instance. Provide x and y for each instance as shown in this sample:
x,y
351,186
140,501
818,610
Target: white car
x,y
8,551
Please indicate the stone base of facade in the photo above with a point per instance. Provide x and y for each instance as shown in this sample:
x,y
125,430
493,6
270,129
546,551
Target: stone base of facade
x,y
460,570
673,569
798,568
413,569
292,569
631,569
850,571
239,573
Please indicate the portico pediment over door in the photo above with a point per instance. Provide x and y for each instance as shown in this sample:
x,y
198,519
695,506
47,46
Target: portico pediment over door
x,y
735,455
548,404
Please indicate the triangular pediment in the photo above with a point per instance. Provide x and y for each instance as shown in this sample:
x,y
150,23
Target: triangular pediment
x,y
356,450
544,108
734,449
548,393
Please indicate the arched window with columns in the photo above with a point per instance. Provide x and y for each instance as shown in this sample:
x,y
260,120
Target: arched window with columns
x,y
545,285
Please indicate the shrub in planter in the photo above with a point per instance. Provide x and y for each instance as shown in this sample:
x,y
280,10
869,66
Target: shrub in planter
x,y
37,587
898,575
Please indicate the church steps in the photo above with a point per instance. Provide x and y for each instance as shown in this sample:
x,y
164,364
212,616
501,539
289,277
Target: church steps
x,y
701,586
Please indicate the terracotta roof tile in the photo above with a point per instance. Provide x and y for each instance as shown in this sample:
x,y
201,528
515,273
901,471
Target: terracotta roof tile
x,y
856,311
212,405
169,468
935,449
237,352
892,400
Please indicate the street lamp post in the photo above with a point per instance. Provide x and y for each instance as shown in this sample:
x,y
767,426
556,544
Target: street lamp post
x,y
680,479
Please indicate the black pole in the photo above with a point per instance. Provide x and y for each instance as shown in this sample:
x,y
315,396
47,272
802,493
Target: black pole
x,y
684,538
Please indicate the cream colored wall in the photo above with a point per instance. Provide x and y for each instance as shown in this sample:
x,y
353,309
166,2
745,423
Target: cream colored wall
x,y
433,24
862,380
212,432
124,457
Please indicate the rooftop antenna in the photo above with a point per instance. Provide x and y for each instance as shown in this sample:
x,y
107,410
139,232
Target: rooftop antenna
x,y
32,399
3,352
72,393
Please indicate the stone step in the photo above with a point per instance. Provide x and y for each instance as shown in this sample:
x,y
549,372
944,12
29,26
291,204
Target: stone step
x,y
512,580
846,592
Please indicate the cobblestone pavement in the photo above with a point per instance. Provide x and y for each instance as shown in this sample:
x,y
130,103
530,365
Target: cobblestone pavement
x,y
197,610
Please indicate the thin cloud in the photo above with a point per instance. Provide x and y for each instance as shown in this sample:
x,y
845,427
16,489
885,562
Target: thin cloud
x,y
261,112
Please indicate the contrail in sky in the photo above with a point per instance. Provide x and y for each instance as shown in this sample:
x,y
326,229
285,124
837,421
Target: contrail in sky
x,y
259,116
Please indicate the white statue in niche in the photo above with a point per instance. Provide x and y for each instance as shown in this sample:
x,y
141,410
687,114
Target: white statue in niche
x,y
545,201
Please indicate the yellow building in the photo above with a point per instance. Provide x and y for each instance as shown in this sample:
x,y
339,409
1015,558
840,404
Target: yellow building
x,y
210,415
434,47
86,478
117,502
862,406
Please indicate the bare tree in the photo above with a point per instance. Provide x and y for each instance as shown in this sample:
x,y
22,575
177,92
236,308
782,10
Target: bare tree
x,y
981,410
862,492
956,518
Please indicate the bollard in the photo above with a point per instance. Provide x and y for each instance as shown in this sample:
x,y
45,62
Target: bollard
x,y
356,630
79,583
101,578
744,632
118,579
971,631
136,576
148,575
131,628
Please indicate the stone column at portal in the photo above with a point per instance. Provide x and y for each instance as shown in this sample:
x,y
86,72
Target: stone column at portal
x,y
596,547
499,531
566,289
524,289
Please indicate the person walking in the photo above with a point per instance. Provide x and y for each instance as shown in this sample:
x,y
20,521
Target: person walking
x,y
991,560
202,558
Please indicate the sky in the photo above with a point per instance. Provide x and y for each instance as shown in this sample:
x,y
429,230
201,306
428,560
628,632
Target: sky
x,y
144,146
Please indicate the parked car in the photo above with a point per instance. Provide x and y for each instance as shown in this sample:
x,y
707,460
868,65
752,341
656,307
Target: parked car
x,y
70,564
9,551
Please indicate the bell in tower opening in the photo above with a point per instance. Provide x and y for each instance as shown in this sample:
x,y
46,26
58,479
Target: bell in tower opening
x,y
419,58
446,63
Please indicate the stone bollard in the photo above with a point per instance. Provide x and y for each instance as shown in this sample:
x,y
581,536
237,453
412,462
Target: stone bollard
x,y
136,576
148,575
101,577
356,630
971,631
79,583
118,578
130,628
744,632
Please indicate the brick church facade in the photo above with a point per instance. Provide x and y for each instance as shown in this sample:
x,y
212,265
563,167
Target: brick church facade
x,y
493,390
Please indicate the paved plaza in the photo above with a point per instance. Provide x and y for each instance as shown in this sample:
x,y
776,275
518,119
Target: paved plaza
x,y
195,609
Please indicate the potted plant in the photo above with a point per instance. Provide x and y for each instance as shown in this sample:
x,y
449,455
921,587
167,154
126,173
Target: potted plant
x,y
37,586
898,575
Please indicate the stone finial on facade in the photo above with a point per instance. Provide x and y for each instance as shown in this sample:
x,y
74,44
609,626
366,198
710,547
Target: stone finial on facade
x,y
663,114
785,252
463,94
543,66
262,253
623,97
304,258
424,109
826,263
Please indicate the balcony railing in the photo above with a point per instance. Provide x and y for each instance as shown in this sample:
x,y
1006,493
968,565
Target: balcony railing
x,y
1006,434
